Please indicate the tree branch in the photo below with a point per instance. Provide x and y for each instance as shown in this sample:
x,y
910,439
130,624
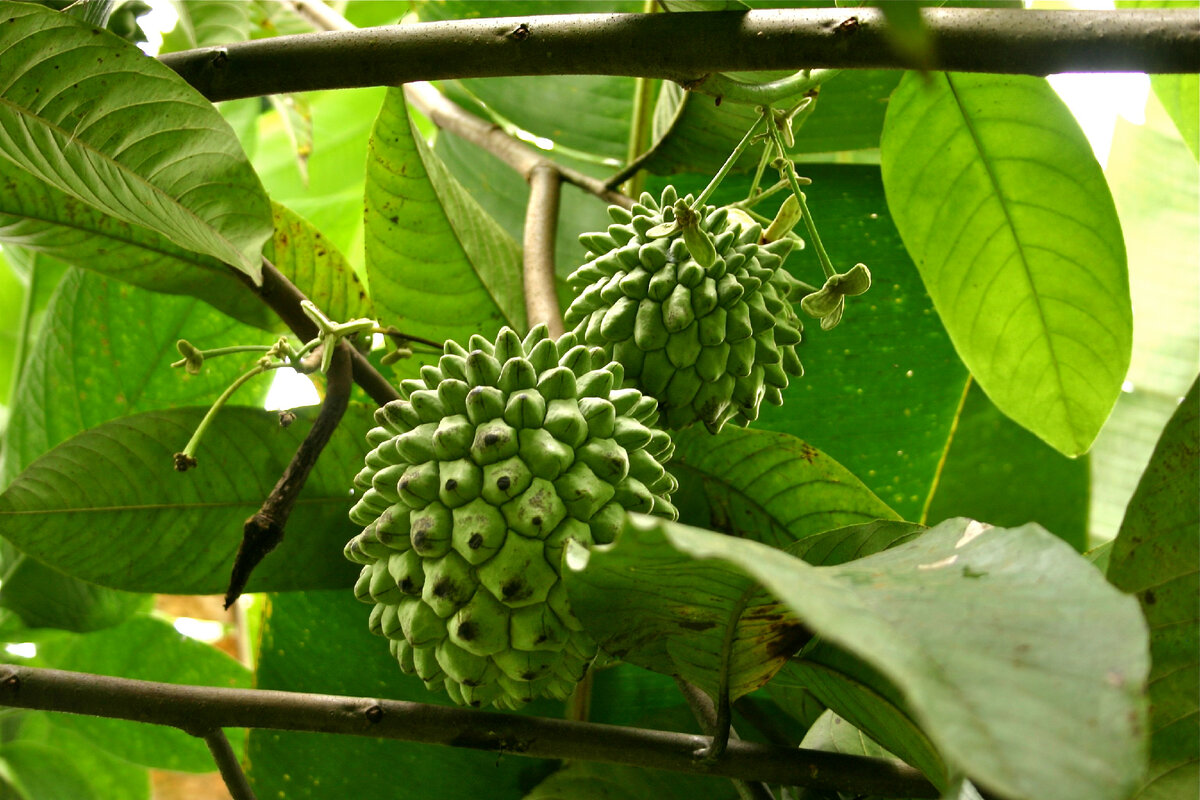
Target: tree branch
x,y
541,227
263,532
688,47
200,709
227,763
282,296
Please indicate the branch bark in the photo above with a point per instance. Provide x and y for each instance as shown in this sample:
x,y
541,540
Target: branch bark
x,y
541,228
201,709
688,47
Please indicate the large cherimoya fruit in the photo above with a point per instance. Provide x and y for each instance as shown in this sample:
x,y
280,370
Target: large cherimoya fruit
x,y
478,477
710,343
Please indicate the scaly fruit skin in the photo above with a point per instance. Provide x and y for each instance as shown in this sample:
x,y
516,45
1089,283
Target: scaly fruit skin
x,y
709,343
478,477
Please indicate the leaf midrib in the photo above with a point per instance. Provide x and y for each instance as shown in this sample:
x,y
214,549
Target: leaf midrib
x,y
994,180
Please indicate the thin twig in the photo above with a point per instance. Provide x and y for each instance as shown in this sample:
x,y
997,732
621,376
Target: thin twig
x,y
202,708
999,40
541,228
708,718
227,763
282,296
263,532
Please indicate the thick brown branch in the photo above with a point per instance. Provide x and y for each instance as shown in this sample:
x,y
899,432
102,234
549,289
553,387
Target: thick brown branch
x,y
263,532
198,709
687,47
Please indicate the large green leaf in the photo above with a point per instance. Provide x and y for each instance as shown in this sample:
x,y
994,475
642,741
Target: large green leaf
x,y
1153,180
1157,557
108,777
1007,216
40,772
589,780
90,115
439,266
208,22
150,649
998,472
311,261
45,598
1026,703
107,507
319,642
771,487
881,391
38,216
329,193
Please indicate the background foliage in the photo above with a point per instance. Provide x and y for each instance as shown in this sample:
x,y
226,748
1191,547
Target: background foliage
x,y
1020,360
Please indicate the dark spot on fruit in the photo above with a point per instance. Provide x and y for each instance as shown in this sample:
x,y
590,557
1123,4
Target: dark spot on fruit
x,y
404,484
468,631
418,540
451,485
476,541
541,639
1149,597
503,482
537,522
515,589
528,675
471,682
407,586
490,438
443,588
474,703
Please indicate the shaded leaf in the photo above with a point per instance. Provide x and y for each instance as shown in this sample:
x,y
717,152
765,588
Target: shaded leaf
x,y
87,505
439,266
45,598
770,487
851,542
584,780
1025,703
998,472
319,642
146,148
1157,557
38,216
38,771
108,777
150,649
309,260
1007,216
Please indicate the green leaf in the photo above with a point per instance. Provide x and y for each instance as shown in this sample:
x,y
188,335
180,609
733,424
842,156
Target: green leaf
x,y
149,649
38,216
1157,557
439,266
1153,180
587,780
208,22
309,260
998,472
770,487
106,351
833,734
1178,94
881,391
89,504
45,598
864,698
319,642
41,772
108,777
1027,704
851,542
330,193
147,149
650,604
1007,216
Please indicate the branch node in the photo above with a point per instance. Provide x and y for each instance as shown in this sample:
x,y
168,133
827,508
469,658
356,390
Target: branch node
x,y
373,714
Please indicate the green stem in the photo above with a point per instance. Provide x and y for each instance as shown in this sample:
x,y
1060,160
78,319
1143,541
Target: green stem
x,y
805,214
237,348
727,88
754,199
729,162
190,449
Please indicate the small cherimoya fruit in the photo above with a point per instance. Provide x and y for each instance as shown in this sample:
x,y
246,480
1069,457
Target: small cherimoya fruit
x,y
492,460
708,342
